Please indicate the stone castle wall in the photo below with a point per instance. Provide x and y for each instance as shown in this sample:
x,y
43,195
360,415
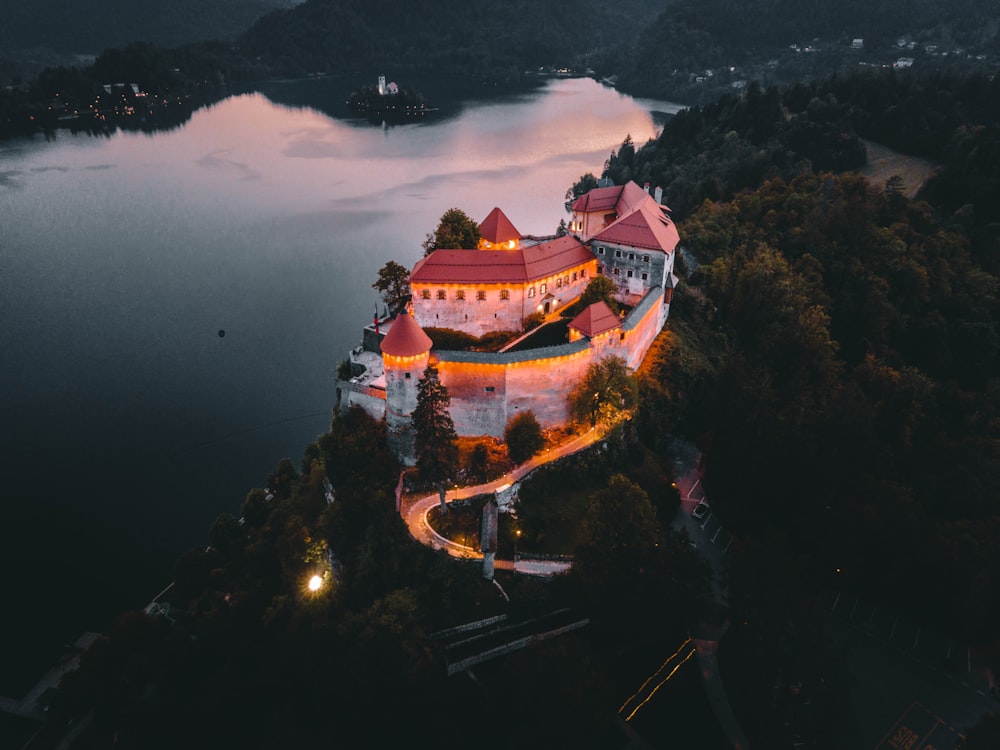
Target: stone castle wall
x,y
487,388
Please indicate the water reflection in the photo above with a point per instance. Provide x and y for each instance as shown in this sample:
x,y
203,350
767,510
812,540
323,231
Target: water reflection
x,y
122,257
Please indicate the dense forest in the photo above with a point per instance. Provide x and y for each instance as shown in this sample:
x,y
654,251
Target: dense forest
x,y
835,347
243,653
492,41
52,32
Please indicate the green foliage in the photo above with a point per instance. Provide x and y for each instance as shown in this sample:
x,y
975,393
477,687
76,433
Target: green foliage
x,y
533,321
450,339
599,288
585,184
455,231
282,480
344,369
435,439
523,436
488,42
482,459
627,566
256,508
393,284
606,393
865,342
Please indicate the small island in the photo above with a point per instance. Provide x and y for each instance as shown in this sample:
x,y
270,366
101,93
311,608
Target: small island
x,y
388,102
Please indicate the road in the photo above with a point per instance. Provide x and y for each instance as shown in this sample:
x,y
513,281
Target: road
x,y
414,511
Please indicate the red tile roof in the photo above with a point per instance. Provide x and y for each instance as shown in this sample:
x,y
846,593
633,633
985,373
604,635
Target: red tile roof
x,y
596,319
501,266
619,198
406,338
646,227
497,228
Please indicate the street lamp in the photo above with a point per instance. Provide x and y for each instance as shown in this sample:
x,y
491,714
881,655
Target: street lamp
x,y
315,583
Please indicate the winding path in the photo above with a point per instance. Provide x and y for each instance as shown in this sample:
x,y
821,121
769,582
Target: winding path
x,y
414,510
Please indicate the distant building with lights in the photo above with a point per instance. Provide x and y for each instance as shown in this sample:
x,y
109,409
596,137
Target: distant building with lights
x,y
621,232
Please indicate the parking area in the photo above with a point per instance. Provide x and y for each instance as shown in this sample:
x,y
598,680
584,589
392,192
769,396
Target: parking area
x,y
925,645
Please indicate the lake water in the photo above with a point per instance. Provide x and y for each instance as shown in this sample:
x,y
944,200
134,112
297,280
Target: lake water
x,y
128,423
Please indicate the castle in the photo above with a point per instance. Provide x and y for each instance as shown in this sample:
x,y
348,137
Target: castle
x,y
621,232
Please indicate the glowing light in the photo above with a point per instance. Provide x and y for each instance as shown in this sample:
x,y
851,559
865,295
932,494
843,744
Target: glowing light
x,y
315,583
662,682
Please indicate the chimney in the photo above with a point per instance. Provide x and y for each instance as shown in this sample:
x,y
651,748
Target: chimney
x,y
646,188
658,195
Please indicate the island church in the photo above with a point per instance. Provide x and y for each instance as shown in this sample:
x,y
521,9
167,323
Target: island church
x,y
621,232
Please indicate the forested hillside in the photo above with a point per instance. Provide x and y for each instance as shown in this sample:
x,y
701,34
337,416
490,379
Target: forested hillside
x,y
697,49
90,26
714,151
835,346
497,41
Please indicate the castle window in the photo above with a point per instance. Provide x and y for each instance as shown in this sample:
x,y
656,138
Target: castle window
x,y
460,294
543,288
574,275
631,256
425,294
618,253
505,294
531,291
406,375
583,273
645,259
600,270
630,273
566,280
480,295
558,283
617,272
645,277
600,250
442,294
490,389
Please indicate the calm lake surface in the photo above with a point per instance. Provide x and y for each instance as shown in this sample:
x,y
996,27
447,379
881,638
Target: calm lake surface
x,y
128,423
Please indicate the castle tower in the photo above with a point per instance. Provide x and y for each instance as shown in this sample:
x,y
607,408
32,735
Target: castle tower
x,y
497,233
406,353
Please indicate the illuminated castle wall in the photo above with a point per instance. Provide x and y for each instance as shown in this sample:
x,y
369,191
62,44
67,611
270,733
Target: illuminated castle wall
x,y
621,232
487,389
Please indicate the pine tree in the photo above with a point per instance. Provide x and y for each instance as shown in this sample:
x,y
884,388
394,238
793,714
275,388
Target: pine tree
x,y
436,442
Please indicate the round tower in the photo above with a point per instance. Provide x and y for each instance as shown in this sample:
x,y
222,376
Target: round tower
x,y
406,353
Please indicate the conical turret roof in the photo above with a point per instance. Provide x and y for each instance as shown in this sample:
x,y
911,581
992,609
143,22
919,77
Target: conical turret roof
x,y
406,338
